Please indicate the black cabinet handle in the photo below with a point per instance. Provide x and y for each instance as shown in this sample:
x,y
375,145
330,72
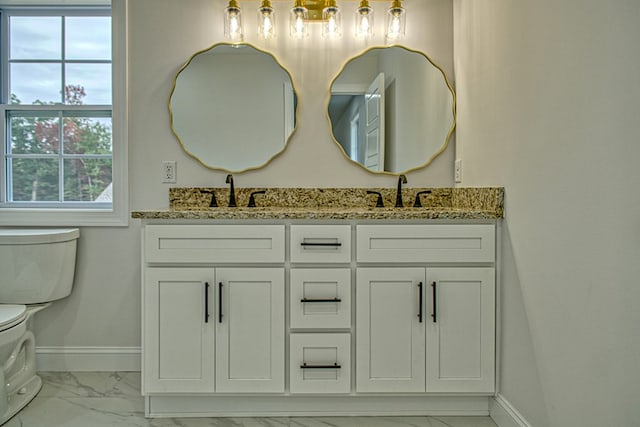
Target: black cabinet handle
x,y
206,302
434,315
334,244
420,303
334,366
220,285
321,300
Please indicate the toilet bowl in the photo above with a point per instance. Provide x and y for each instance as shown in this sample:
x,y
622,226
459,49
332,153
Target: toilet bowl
x,y
37,267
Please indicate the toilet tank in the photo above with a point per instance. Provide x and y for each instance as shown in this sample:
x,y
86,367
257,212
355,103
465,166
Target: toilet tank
x,y
36,265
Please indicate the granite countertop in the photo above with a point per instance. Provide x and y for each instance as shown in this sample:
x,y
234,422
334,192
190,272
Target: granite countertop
x,y
331,203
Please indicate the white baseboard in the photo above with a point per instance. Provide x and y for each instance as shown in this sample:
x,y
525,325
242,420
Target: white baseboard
x,y
175,406
504,414
83,359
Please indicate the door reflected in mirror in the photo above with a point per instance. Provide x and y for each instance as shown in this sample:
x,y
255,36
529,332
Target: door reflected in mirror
x,y
233,107
392,110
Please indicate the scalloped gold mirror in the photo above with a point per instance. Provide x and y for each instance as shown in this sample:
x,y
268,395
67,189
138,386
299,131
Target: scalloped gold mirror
x,y
233,107
392,110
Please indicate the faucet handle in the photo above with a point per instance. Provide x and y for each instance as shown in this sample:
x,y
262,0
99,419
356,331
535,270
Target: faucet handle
x,y
252,200
214,201
417,203
379,203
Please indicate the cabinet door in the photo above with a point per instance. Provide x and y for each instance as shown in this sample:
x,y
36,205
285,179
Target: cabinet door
x,y
250,330
461,335
178,335
390,335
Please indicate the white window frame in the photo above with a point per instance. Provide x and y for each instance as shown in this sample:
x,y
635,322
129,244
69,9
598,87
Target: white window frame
x,y
118,213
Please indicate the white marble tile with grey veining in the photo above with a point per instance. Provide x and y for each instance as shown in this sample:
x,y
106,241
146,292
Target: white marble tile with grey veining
x,y
111,399
90,384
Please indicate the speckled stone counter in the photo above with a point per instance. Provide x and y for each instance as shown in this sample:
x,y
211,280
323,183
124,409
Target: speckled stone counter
x,y
332,203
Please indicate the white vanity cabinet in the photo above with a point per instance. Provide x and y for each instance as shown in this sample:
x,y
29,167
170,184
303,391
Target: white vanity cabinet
x,y
425,328
345,317
212,328
179,327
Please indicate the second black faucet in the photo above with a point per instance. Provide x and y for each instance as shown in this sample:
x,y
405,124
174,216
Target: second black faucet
x,y
232,191
401,180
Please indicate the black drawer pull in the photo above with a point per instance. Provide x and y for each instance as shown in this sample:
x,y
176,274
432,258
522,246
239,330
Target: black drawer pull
x,y
434,315
420,303
334,366
206,302
334,244
220,316
321,300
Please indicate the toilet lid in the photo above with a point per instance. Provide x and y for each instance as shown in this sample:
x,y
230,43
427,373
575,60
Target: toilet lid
x,y
11,315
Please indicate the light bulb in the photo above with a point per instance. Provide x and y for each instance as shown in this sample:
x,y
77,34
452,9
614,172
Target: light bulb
x,y
298,22
396,22
266,21
364,20
332,22
233,22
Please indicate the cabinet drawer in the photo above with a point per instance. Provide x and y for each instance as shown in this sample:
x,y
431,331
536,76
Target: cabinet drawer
x,y
320,243
426,243
320,363
320,298
214,243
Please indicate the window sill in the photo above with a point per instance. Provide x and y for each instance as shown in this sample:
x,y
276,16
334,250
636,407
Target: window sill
x,y
10,217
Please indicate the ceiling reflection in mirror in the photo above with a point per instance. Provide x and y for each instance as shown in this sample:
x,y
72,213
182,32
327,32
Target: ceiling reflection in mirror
x,y
233,107
392,110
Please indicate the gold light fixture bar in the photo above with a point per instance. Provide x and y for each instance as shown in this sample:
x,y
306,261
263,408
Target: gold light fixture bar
x,y
315,7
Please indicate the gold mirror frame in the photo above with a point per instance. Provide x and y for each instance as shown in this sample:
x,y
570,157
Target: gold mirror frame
x,y
431,158
221,167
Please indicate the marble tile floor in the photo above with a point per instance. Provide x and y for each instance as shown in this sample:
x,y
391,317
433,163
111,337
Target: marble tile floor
x,y
110,399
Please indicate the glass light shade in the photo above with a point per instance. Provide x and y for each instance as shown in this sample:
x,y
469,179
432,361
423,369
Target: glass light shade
x,y
331,22
233,23
266,22
396,23
298,22
364,22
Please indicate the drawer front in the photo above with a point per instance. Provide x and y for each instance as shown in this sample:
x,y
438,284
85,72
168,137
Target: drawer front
x,y
426,243
214,243
320,363
320,243
320,298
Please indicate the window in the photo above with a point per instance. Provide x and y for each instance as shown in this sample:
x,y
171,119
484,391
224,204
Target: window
x,y
63,149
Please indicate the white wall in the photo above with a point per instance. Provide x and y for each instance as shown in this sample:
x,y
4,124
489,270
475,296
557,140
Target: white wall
x,y
549,107
104,309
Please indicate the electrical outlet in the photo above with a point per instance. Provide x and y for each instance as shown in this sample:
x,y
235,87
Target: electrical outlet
x,y
458,170
169,171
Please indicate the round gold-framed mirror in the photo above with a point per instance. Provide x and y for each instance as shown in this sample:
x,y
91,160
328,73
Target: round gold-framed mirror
x,y
233,107
392,110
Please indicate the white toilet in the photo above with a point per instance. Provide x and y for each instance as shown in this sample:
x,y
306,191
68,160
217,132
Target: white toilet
x,y
37,267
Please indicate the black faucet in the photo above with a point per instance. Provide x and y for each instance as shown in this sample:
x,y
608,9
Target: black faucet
x,y
232,191
401,180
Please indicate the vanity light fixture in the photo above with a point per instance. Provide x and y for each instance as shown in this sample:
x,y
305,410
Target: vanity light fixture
x,y
233,21
396,22
325,12
266,20
364,20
